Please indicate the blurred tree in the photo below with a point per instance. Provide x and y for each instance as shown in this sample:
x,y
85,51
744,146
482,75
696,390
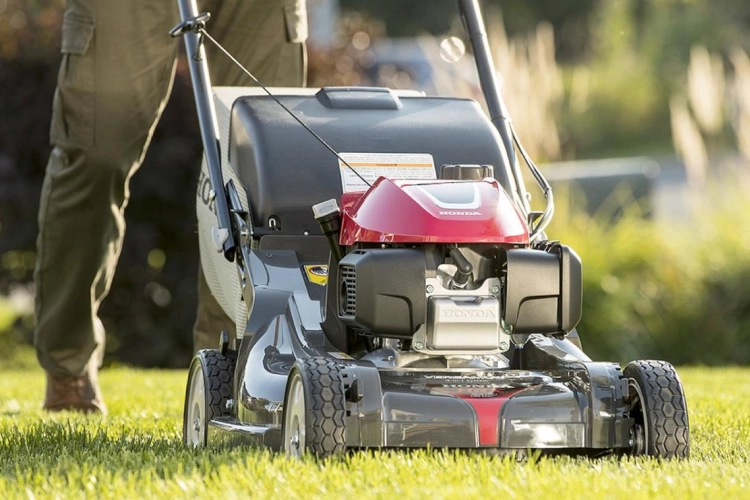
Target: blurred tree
x,y
349,58
668,30
29,50
410,18
628,55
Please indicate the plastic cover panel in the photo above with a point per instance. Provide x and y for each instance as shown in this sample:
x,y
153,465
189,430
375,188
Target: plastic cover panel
x,y
533,291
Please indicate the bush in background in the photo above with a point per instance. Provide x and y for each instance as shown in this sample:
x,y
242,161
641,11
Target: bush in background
x,y
655,290
649,292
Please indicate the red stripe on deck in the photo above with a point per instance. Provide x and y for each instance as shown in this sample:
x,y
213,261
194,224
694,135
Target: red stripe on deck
x,y
488,415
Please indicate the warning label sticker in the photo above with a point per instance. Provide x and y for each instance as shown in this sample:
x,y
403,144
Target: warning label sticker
x,y
395,166
317,274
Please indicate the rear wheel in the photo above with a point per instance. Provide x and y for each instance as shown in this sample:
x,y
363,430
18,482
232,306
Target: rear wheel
x,y
658,406
314,409
209,388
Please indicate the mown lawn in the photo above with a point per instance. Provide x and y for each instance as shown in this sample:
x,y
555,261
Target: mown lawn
x,y
136,452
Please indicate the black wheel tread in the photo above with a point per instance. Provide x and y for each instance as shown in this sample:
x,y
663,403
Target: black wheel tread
x,y
666,407
326,407
219,375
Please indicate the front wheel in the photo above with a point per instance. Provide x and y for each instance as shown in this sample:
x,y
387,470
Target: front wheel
x,y
658,406
209,388
314,409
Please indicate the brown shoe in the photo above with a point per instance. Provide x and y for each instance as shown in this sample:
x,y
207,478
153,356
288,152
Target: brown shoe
x,y
74,394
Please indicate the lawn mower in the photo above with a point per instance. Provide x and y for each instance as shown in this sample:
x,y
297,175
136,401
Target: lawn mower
x,y
391,286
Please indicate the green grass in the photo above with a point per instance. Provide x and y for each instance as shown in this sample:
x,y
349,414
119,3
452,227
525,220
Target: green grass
x,y
135,452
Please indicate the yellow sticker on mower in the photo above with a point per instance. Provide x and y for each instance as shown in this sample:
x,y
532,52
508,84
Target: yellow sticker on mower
x,y
317,274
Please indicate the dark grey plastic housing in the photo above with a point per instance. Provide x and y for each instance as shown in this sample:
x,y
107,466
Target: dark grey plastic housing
x,y
543,290
382,291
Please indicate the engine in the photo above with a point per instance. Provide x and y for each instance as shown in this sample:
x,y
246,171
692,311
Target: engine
x,y
449,299
447,267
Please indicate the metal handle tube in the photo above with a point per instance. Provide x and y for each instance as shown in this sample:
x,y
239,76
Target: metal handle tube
x,y
499,115
208,122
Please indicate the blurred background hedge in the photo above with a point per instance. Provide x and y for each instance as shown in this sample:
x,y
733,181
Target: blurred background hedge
x,y
588,79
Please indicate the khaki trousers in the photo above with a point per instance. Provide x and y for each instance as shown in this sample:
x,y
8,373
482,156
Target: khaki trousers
x,y
118,64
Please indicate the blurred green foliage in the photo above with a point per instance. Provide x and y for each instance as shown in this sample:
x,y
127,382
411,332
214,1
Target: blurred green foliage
x,y
650,291
678,290
638,52
15,322
622,59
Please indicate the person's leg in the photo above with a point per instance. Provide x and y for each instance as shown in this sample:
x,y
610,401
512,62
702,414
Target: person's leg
x,y
115,76
268,37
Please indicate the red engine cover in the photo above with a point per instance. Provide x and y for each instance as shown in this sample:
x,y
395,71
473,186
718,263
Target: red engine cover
x,y
441,211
